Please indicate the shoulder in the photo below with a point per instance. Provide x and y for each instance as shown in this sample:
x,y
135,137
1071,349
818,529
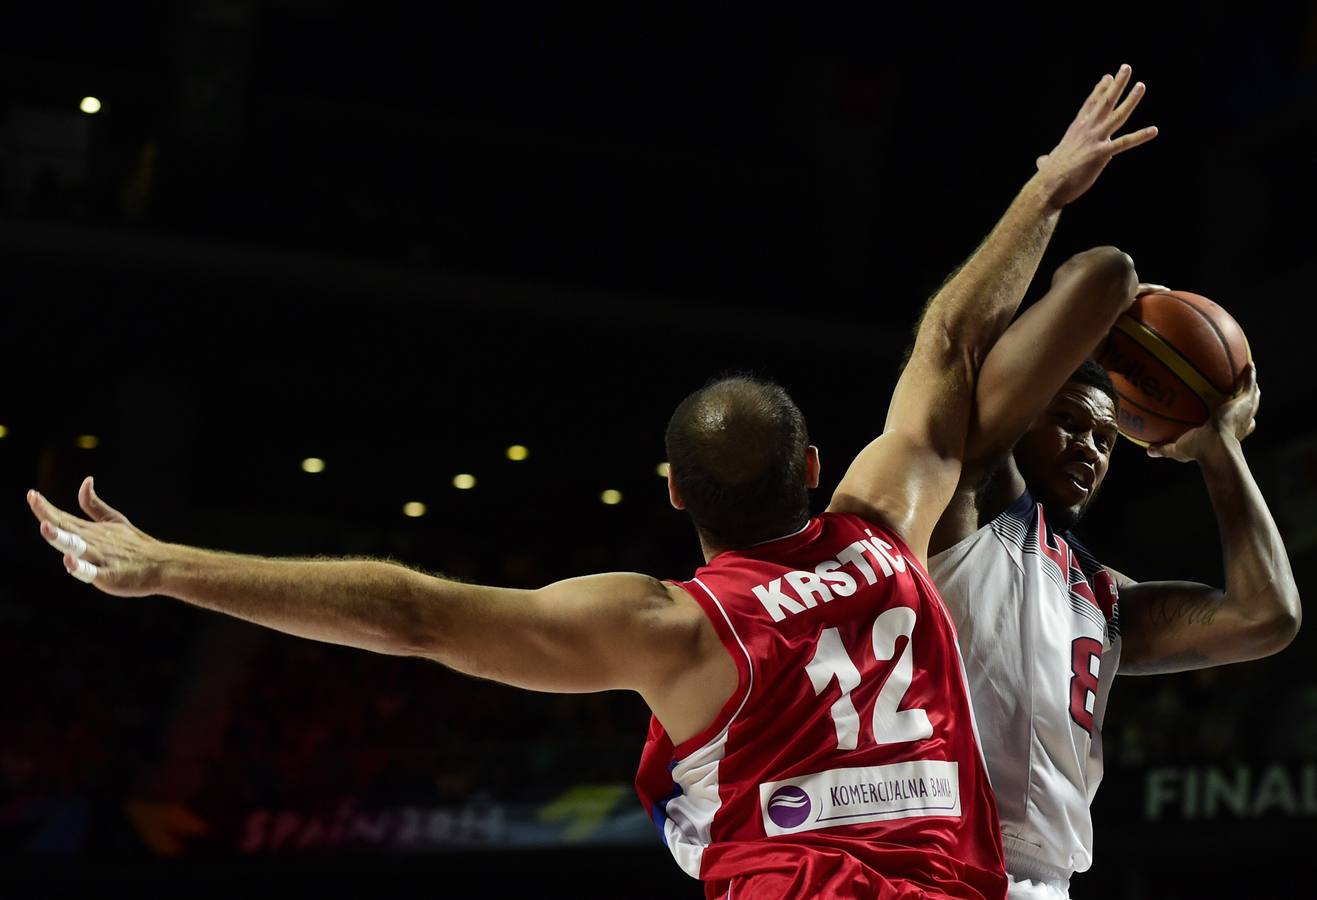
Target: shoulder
x,y
1122,580
1088,562
999,491
689,613
960,520
847,510
998,540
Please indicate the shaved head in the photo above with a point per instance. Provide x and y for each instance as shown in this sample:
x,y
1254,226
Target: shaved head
x,y
737,450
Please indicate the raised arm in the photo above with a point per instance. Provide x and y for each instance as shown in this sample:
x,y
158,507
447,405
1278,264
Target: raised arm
x,y
906,477
597,633
1024,371
1042,349
1171,626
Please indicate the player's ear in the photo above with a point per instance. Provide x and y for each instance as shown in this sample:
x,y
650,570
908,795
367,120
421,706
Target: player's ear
x,y
674,496
812,467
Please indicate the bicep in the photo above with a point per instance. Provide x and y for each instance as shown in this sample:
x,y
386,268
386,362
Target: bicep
x,y
595,633
1175,626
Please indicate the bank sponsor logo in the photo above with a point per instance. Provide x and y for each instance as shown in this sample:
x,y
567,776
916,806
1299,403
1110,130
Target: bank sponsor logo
x,y
851,796
789,806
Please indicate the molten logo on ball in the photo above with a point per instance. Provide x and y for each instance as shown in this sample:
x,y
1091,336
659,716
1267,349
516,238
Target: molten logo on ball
x,y
1138,376
1173,357
789,806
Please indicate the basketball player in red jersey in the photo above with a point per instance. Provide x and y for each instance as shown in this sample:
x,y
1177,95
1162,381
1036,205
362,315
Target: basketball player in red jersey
x,y
812,734
1043,627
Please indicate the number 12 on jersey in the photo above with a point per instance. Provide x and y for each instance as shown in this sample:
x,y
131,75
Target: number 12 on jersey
x,y
890,725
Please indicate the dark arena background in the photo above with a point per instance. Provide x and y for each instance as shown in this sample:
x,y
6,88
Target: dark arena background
x,y
240,236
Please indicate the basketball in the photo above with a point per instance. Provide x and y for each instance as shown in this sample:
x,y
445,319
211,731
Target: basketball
x,y
1174,358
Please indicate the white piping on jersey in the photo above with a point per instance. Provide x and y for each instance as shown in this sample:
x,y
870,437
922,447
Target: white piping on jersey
x,y
960,664
749,660
781,537
697,776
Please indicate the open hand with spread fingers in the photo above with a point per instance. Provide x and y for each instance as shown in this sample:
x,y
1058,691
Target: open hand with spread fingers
x,y
105,550
1087,146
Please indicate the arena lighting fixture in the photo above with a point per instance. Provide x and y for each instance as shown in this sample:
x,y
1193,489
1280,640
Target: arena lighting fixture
x,y
464,482
414,510
611,497
3,431
313,465
90,105
87,441
662,470
517,453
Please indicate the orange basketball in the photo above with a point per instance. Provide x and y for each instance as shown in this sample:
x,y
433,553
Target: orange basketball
x,y
1174,357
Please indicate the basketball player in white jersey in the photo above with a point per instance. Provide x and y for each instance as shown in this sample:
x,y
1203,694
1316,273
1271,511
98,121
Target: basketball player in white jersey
x,y
747,801
1043,628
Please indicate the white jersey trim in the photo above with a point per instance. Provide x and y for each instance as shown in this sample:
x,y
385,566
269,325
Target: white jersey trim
x,y
780,537
689,815
749,660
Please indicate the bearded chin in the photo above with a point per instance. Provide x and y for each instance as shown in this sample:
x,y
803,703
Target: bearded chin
x,y
1065,518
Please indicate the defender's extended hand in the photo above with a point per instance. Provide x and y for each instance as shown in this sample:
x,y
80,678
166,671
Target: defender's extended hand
x,y
108,551
1087,146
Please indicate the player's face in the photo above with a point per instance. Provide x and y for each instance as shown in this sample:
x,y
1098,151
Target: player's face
x,y
1064,456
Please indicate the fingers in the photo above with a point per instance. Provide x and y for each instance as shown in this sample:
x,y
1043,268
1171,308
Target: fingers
x,y
45,511
1248,381
63,541
1122,112
1146,288
1246,389
1115,115
68,535
1116,87
1253,392
94,506
1132,140
71,544
1098,95
80,569
1168,450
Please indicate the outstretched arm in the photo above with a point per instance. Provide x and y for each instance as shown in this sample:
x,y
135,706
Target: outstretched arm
x,y
906,477
1171,626
586,634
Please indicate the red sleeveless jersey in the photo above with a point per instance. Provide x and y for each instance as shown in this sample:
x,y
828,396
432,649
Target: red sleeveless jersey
x,y
846,763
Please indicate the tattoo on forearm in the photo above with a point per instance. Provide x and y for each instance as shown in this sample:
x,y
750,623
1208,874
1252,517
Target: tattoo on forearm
x,y
1182,610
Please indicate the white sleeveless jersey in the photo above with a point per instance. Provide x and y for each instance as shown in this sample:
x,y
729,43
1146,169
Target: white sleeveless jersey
x,y
1039,631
